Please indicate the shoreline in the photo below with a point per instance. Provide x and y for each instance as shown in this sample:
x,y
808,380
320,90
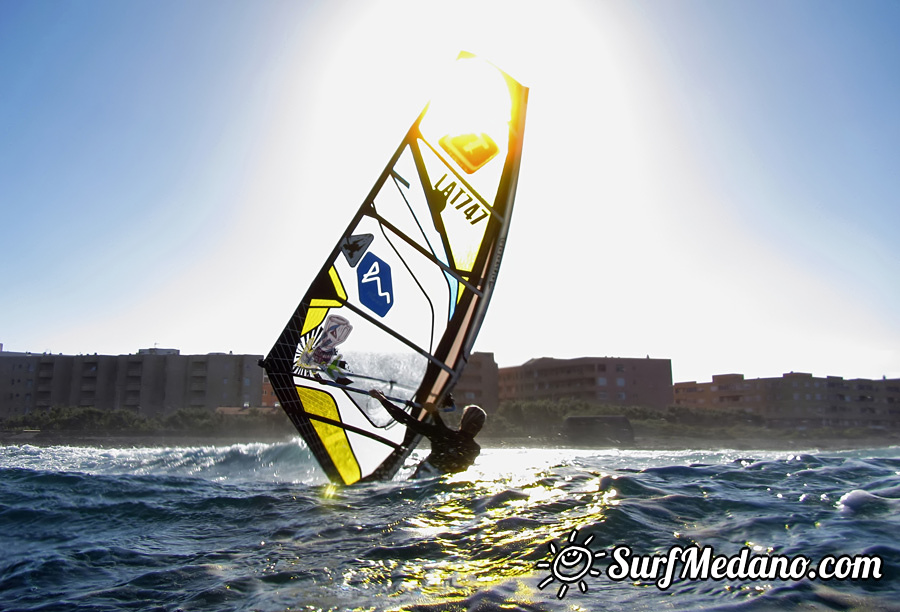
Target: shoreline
x,y
662,443
641,442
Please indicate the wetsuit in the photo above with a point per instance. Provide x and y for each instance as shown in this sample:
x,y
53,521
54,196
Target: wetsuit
x,y
451,451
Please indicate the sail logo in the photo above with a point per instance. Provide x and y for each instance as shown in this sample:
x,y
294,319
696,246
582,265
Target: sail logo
x,y
456,196
470,151
376,290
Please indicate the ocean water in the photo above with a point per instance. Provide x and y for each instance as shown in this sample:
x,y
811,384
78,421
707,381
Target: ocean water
x,y
257,527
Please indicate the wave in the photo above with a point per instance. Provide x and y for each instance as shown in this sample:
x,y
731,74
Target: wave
x,y
257,526
268,462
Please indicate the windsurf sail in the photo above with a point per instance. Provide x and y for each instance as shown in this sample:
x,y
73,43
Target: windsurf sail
x,y
400,299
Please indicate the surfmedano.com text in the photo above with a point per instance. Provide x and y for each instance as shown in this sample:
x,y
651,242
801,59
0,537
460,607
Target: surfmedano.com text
x,y
703,564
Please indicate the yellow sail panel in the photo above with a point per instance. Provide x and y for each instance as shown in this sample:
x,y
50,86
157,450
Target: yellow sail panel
x,y
314,318
316,303
318,307
333,438
338,286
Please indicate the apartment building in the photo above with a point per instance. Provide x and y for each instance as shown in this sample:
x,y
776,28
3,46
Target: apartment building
x,y
609,380
152,382
479,382
268,399
800,400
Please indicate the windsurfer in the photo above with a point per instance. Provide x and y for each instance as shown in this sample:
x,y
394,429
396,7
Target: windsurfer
x,y
451,450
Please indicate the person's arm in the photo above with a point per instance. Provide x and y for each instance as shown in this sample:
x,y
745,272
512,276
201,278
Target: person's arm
x,y
425,429
436,415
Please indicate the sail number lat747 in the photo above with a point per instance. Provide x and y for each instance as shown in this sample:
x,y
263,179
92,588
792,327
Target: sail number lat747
x,y
458,198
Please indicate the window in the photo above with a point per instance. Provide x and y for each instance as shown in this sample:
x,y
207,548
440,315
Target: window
x,y
620,382
601,381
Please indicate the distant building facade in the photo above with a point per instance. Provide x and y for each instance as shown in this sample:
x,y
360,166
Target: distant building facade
x,y
800,400
269,399
478,383
152,382
609,380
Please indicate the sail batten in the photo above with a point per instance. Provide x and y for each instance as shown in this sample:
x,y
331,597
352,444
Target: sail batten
x,y
390,331
457,274
400,299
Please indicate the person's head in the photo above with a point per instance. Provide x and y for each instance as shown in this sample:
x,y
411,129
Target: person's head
x,y
472,420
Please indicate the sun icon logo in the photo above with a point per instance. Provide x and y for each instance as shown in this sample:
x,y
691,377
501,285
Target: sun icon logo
x,y
570,564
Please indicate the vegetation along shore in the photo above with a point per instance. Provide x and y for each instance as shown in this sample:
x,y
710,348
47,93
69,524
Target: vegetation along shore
x,y
534,423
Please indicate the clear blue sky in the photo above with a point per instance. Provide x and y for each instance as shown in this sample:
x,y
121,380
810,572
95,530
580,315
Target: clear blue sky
x,y
713,182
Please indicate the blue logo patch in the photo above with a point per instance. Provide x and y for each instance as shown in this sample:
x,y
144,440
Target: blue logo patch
x,y
376,291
